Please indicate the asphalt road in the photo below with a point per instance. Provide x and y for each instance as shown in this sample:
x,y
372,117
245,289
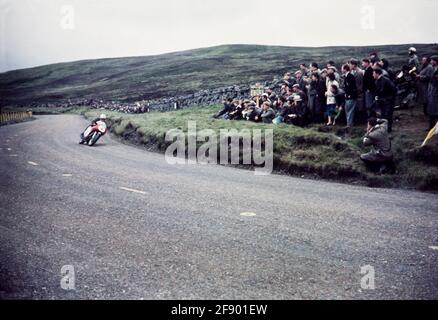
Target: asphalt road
x,y
135,227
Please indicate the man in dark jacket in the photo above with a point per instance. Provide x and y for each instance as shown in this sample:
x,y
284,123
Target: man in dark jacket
x,y
432,94
350,95
297,113
369,85
385,95
300,81
316,94
228,107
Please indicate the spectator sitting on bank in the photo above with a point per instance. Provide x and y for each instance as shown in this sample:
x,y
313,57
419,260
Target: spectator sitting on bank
x,y
272,96
380,158
297,113
285,90
265,98
268,113
283,109
252,112
228,107
236,114
278,104
248,108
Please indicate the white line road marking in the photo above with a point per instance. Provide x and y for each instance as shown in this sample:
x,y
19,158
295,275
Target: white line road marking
x,y
248,214
67,175
32,163
9,149
13,155
133,190
433,248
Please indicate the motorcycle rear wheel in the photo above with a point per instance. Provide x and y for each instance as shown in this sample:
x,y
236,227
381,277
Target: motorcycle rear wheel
x,y
94,139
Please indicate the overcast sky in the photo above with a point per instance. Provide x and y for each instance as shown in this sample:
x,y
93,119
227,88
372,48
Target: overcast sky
x,y
36,32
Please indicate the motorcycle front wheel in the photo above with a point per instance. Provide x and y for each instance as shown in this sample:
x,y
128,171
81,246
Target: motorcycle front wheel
x,y
94,139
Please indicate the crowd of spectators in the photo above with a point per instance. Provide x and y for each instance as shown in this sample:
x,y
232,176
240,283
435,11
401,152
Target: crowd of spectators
x,y
358,90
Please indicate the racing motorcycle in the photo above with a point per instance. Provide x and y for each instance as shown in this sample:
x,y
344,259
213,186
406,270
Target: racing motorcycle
x,y
93,133
406,89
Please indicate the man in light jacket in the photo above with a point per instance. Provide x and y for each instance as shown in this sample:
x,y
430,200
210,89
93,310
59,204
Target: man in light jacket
x,y
380,157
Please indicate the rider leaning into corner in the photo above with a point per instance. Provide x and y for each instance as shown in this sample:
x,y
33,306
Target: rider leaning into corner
x,y
87,131
102,117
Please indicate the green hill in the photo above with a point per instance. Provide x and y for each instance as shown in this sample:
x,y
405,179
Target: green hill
x,y
150,77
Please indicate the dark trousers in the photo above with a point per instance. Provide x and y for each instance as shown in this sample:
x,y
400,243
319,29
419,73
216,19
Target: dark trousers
x,y
387,111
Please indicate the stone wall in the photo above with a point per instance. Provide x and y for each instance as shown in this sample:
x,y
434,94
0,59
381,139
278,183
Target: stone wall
x,y
200,98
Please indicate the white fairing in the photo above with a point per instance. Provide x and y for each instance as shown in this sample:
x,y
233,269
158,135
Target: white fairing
x,y
101,126
87,131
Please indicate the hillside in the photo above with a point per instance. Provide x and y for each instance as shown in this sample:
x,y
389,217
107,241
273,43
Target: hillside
x,y
150,77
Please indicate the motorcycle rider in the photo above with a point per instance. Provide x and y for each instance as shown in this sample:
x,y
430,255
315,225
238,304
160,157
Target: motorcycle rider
x,y
87,131
102,117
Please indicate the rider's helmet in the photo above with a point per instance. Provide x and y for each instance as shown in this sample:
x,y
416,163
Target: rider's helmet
x,y
412,50
102,116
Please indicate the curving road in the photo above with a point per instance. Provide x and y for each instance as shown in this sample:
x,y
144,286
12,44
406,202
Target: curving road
x,y
135,227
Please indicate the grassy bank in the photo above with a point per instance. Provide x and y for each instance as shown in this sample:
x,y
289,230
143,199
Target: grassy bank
x,y
315,152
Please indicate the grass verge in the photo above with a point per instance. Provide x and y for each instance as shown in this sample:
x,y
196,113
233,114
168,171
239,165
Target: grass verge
x,y
314,152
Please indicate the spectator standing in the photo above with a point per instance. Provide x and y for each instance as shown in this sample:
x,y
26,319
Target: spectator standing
x,y
413,62
432,94
358,74
300,81
385,94
423,79
304,70
369,85
350,95
314,68
316,96
330,96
